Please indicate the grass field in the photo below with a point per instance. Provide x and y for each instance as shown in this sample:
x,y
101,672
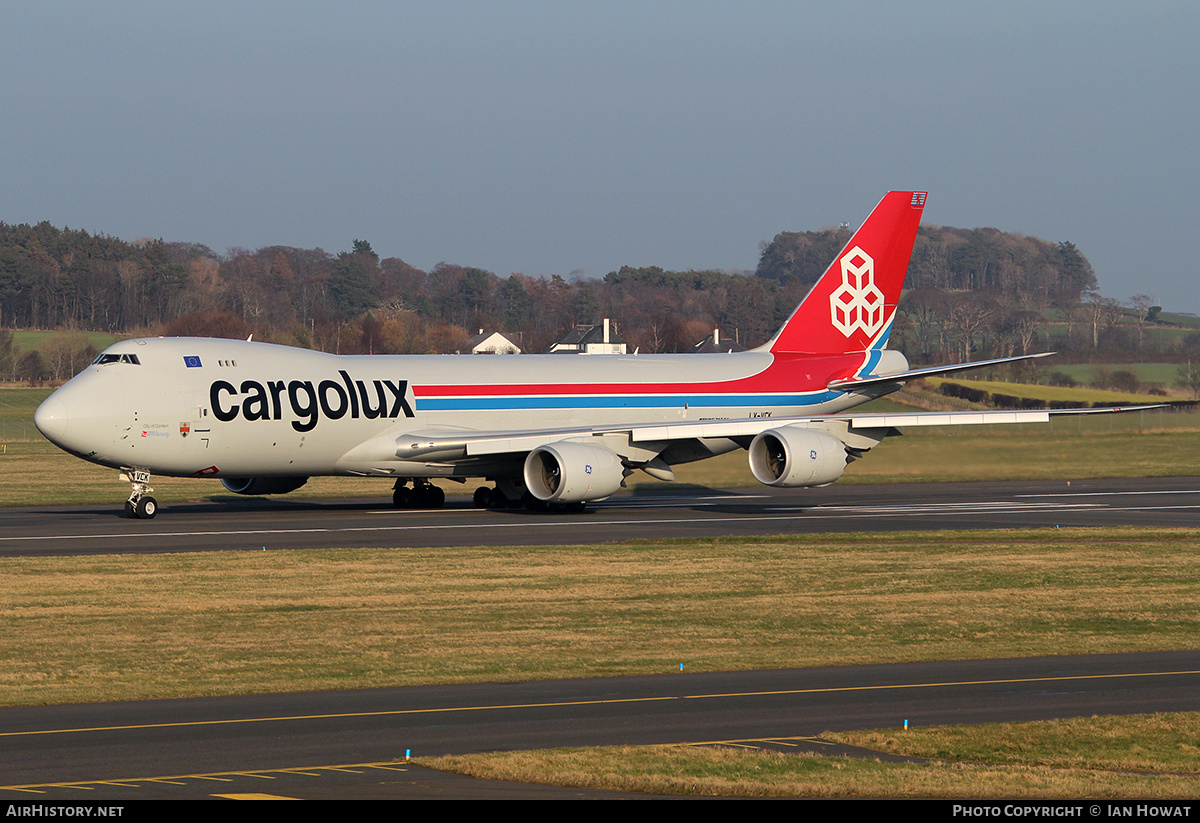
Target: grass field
x,y
133,627
1148,756
38,473
26,340
142,626
1162,373
1188,321
1157,337
20,402
1074,450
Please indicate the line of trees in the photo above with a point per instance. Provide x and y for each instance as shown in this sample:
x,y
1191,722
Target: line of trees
x,y
972,293
354,301
948,259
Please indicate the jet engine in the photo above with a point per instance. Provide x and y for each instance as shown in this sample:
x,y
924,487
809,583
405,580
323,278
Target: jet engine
x,y
570,472
263,485
796,456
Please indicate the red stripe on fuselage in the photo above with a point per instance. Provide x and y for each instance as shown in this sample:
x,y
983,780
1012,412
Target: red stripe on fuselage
x,y
785,374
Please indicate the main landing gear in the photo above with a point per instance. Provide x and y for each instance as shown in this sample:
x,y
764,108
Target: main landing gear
x,y
486,498
422,495
496,498
140,503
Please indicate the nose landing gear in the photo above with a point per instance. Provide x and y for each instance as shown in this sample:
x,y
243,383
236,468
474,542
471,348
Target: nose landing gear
x,y
140,504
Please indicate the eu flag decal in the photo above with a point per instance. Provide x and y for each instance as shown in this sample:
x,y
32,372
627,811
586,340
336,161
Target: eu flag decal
x,y
191,361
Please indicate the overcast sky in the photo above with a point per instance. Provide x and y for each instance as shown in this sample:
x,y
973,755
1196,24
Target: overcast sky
x,y
550,137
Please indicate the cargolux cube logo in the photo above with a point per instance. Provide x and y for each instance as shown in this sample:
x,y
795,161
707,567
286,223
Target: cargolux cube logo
x,y
857,304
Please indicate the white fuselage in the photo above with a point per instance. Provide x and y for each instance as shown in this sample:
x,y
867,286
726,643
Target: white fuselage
x,y
209,407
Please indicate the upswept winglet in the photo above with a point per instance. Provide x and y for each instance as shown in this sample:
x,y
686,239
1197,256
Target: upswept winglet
x,y
851,308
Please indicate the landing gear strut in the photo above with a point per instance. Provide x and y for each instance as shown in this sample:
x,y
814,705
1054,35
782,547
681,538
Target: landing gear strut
x,y
422,495
140,503
505,494
512,496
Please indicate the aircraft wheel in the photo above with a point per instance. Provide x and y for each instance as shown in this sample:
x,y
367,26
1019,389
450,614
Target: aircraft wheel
x,y
130,511
147,507
427,496
483,497
402,497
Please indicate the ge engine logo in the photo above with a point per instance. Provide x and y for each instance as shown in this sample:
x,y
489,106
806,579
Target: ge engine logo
x,y
857,304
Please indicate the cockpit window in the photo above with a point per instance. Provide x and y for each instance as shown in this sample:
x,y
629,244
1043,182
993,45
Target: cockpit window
x,y
105,359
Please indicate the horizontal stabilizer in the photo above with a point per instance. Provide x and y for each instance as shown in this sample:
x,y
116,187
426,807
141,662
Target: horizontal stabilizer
x,y
851,383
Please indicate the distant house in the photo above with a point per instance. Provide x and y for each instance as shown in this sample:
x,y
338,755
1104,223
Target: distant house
x,y
491,342
599,339
714,343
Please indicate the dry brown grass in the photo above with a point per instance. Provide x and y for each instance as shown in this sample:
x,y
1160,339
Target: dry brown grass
x,y
968,454
126,627
741,772
38,473
1141,743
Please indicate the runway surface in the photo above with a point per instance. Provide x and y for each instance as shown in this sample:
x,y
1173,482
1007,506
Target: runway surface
x,y
257,523
353,743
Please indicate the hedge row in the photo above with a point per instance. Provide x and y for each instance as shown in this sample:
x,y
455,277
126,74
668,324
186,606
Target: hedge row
x,y
1009,401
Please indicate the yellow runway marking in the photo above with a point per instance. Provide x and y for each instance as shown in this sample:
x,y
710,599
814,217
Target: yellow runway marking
x,y
606,702
180,779
894,686
253,797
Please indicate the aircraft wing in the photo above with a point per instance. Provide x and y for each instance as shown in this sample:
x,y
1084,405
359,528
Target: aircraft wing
x,y
443,445
851,383
874,420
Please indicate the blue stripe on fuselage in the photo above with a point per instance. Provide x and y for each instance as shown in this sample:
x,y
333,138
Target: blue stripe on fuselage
x,y
620,401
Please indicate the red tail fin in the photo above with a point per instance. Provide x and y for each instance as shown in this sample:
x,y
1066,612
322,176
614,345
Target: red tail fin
x,y
850,309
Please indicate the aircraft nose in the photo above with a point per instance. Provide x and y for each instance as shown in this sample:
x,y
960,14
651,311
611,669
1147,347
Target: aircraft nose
x,y
51,419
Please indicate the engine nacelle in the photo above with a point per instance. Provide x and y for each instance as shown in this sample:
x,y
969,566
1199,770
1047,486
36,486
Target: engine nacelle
x,y
570,472
795,456
263,485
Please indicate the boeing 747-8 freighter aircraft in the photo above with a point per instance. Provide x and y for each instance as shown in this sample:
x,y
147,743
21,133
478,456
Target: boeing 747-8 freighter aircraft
x,y
545,429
